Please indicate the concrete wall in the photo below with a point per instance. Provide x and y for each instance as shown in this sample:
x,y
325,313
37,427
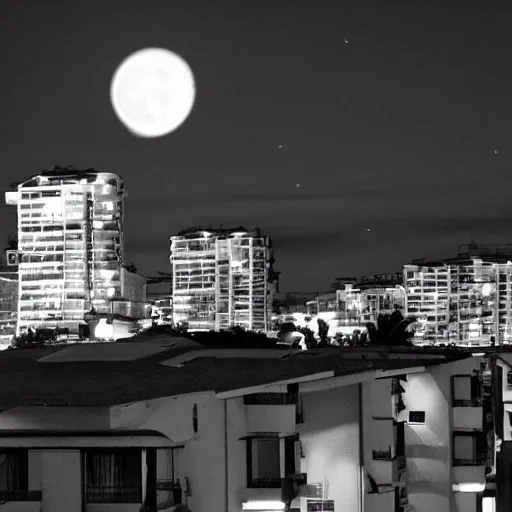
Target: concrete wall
x,y
237,466
133,289
330,444
55,418
378,434
271,418
428,446
205,460
62,481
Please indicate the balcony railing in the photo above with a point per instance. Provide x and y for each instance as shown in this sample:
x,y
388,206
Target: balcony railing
x,y
6,496
382,454
271,399
276,483
114,494
471,402
172,488
266,483
478,460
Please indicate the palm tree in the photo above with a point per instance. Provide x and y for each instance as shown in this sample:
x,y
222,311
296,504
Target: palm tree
x,y
391,330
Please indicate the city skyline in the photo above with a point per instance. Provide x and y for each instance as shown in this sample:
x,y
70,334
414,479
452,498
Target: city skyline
x,y
380,137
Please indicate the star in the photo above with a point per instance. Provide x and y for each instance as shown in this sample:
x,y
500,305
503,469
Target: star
x,y
298,185
495,151
280,146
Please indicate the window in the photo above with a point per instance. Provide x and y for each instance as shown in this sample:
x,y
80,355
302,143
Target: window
x,y
14,477
264,460
469,448
466,391
416,416
114,476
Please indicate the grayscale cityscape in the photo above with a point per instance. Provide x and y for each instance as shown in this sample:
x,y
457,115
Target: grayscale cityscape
x,y
276,273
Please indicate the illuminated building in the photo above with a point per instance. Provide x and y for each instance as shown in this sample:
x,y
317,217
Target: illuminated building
x,y
361,300
462,300
159,296
71,252
222,278
8,304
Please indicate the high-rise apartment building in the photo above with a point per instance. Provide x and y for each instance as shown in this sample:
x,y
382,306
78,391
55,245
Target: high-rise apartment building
x,y
70,243
8,302
222,278
359,301
462,300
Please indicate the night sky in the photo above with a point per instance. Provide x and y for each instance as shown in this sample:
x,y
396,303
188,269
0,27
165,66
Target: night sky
x,y
392,116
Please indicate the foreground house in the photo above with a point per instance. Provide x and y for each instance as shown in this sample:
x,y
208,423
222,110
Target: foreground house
x,y
108,427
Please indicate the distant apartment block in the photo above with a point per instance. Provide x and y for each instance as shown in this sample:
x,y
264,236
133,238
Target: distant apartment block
x,y
159,297
464,300
71,251
359,301
222,278
8,303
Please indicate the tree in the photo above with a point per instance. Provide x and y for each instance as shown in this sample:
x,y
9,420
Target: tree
x,y
391,330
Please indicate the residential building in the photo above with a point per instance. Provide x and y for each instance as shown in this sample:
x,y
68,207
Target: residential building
x,y
222,278
466,300
359,301
370,430
159,296
71,250
8,304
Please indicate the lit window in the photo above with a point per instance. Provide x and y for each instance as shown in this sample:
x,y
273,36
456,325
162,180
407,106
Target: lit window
x,y
416,416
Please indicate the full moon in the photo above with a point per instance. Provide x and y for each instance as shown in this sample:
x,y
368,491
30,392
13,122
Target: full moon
x,y
152,92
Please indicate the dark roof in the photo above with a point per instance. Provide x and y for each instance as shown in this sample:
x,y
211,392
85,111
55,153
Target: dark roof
x,y
26,379
65,172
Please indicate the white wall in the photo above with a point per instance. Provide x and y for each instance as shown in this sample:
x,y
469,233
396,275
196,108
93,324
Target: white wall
x,y
55,418
468,418
62,481
330,443
465,502
237,466
428,446
270,418
204,460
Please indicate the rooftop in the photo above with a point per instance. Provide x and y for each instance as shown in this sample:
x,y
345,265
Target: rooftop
x,y
105,374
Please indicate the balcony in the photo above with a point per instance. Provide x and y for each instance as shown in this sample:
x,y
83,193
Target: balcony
x,y
468,417
470,474
29,496
171,490
114,494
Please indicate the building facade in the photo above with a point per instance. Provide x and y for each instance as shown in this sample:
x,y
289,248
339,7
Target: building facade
x,y
222,278
359,302
8,304
394,432
71,250
465,300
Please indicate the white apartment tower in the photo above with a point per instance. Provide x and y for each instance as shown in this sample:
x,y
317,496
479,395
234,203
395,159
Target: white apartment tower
x,y
70,243
222,278
465,300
